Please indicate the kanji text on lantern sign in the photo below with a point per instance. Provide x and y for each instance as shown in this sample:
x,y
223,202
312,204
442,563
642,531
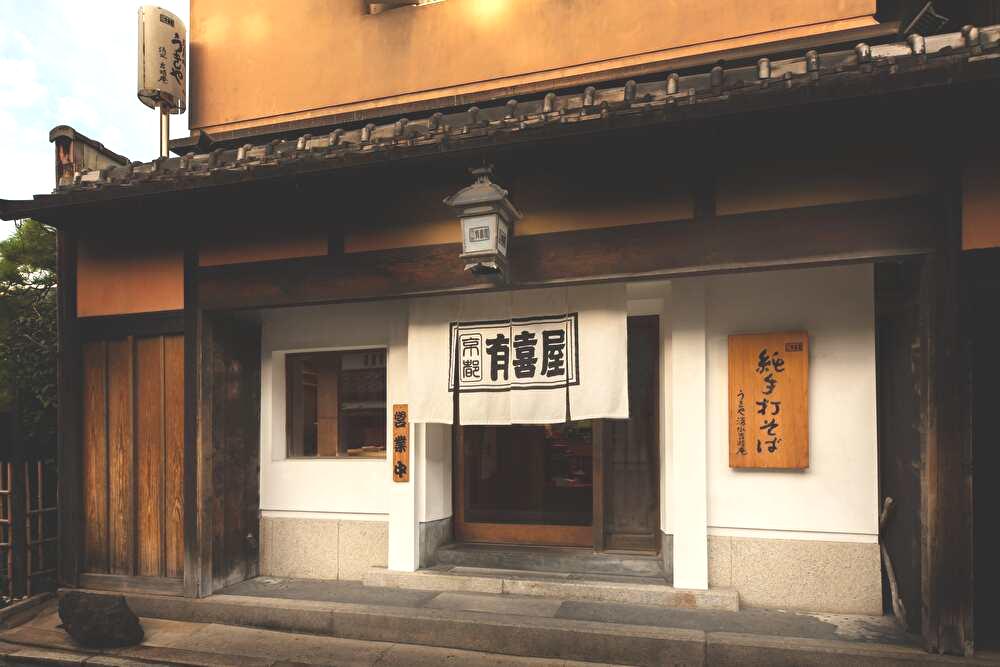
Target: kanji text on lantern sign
x,y
175,58
519,353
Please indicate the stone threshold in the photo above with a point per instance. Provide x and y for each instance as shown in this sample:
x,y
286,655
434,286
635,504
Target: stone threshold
x,y
555,560
595,588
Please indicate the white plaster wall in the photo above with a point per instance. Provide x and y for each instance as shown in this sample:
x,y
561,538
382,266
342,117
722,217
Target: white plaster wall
x,y
347,490
687,475
836,498
329,486
434,470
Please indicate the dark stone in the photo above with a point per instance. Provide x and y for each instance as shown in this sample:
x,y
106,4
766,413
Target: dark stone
x,y
99,621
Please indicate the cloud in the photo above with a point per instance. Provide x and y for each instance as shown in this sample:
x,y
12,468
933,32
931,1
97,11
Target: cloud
x,y
14,40
19,84
66,62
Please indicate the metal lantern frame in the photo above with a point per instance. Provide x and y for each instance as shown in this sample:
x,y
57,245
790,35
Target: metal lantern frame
x,y
487,217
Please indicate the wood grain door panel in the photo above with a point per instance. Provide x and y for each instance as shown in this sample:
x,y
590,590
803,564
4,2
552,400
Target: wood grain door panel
x,y
234,363
133,453
630,450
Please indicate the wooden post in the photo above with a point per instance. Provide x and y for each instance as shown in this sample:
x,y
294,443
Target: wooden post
x,y
600,439
70,500
197,432
901,342
946,479
18,502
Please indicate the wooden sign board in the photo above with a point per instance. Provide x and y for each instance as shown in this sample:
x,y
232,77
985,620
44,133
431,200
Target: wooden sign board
x,y
769,400
400,443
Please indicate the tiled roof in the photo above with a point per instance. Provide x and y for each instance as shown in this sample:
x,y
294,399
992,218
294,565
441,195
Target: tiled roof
x,y
720,90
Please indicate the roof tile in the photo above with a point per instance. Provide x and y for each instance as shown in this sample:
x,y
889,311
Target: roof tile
x,y
663,96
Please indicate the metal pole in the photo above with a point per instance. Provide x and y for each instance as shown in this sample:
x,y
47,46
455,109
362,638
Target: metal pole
x,y
164,132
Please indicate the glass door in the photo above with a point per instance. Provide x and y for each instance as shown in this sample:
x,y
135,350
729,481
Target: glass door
x,y
586,483
526,484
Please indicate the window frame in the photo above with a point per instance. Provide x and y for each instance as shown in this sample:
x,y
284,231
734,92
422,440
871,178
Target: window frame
x,y
286,356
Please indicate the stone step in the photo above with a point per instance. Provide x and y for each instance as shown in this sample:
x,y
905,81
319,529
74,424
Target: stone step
x,y
587,588
548,639
505,634
549,559
185,644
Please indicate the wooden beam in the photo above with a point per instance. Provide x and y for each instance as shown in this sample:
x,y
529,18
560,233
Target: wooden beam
x,y
104,327
809,236
126,584
69,457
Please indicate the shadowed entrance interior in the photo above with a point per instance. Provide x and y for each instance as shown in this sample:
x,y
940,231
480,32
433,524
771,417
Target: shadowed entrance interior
x,y
590,483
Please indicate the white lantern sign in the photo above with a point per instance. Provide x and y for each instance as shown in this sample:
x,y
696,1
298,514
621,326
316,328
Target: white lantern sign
x,y
488,219
484,234
162,60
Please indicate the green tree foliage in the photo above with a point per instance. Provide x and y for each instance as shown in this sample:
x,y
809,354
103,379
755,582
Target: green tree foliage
x,y
28,329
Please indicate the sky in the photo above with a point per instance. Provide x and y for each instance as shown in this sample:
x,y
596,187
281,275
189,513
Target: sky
x,y
71,62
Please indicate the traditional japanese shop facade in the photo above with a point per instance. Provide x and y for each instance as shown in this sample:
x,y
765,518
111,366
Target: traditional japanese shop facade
x,y
727,331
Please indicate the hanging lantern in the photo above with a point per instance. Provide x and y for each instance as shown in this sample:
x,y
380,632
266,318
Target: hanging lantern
x,y
487,218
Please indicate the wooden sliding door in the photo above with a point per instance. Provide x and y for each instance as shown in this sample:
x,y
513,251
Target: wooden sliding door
x,y
231,410
628,452
133,458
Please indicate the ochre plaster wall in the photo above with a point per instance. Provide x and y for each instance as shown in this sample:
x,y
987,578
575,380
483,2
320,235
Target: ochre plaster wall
x,y
981,204
128,275
258,61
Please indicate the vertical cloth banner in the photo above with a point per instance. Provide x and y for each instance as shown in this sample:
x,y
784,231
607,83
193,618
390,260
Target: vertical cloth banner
x,y
537,356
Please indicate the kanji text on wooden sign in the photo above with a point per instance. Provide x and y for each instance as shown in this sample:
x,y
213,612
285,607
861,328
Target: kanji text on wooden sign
x,y
769,400
400,443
